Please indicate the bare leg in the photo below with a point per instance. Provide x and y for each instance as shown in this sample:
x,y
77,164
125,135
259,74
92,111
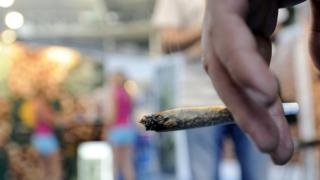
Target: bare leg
x,y
56,166
42,167
116,162
46,164
127,164
53,166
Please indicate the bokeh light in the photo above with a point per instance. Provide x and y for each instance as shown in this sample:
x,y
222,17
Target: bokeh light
x,y
6,3
8,36
61,55
14,20
131,87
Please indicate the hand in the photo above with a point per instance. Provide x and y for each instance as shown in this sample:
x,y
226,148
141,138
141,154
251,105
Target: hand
x,y
236,53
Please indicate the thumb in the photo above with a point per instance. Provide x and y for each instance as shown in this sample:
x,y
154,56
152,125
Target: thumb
x,y
315,33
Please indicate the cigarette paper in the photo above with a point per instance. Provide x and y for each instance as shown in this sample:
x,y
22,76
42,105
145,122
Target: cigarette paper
x,y
195,117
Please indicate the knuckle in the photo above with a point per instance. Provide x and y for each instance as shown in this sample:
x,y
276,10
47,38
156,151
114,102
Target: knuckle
x,y
205,64
206,68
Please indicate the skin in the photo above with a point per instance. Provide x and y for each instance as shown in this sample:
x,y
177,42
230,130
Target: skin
x,y
236,54
176,39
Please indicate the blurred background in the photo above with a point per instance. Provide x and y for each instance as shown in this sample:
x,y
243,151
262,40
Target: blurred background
x,y
76,71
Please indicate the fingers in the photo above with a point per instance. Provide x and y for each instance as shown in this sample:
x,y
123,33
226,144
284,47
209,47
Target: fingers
x,y
315,33
253,119
284,150
237,63
267,127
239,54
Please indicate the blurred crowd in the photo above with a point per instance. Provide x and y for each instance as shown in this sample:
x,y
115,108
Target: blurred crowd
x,y
41,141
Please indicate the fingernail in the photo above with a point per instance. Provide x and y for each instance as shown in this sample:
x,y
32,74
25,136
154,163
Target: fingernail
x,y
282,156
283,153
258,97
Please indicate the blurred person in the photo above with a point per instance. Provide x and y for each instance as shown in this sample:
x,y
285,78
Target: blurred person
x,y
119,129
44,140
236,51
180,29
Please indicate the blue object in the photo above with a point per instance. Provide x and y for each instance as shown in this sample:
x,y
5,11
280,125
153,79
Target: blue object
x,y
45,144
142,157
206,146
122,136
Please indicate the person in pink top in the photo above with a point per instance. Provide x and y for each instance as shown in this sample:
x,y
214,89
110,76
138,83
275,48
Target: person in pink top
x,y
44,140
123,107
119,129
